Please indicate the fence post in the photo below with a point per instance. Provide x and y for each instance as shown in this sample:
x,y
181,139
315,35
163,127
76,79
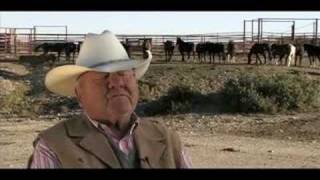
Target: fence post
x,y
15,44
316,31
244,36
252,23
6,43
259,30
30,44
293,31
66,39
34,34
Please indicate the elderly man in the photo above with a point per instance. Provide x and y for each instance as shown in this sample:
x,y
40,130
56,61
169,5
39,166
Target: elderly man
x,y
108,134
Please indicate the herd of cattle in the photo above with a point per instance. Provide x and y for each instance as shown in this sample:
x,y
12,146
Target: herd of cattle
x,y
291,52
274,53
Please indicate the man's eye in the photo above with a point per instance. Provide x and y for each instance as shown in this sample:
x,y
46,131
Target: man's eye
x,y
106,76
121,73
125,73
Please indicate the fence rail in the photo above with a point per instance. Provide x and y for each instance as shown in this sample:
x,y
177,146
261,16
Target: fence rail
x,y
16,44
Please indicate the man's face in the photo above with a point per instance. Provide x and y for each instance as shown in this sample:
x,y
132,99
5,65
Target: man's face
x,y
108,96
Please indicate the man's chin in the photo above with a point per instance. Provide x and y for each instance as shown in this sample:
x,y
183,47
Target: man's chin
x,y
120,109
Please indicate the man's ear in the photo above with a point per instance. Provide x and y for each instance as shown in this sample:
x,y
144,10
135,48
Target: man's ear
x,y
134,72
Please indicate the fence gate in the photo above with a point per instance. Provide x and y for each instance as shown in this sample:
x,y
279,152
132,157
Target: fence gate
x,y
15,42
5,44
23,41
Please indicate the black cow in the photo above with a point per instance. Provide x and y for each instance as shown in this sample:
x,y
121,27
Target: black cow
x,y
313,52
260,48
201,51
215,49
68,48
168,50
299,53
230,50
187,47
283,50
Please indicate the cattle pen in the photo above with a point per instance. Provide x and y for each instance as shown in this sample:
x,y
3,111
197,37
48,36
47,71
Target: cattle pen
x,y
16,42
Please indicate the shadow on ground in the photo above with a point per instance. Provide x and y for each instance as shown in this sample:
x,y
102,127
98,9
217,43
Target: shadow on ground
x,y
10,75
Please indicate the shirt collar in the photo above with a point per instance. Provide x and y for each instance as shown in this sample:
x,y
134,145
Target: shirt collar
x,y
134,120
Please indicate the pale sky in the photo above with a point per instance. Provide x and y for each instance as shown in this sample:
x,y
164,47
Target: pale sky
x,y
154,22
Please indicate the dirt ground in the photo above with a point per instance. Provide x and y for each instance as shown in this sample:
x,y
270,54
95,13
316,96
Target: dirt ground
x,y
212,140
219,141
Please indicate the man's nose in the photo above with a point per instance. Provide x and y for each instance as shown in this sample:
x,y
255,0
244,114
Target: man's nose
x,y
115,81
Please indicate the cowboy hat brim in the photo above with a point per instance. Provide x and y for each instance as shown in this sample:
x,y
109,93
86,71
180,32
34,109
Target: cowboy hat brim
x,y
62,80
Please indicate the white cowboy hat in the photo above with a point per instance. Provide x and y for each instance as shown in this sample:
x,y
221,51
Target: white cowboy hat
x,y
99,52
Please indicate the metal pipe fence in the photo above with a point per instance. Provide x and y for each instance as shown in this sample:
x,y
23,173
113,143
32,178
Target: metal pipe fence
x,y
16,44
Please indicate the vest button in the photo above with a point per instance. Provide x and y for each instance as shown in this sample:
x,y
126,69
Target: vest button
x,y
80,160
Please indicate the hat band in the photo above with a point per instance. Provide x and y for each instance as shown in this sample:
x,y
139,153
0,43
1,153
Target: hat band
x,y
109,62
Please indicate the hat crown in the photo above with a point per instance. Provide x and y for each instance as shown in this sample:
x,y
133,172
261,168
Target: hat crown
x,y
100,48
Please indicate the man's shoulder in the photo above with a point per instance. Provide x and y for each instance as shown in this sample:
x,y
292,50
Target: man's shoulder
x,y
153,127
59,129
156,124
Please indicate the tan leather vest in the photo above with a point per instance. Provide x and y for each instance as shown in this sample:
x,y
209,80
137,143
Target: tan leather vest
x,y
78,144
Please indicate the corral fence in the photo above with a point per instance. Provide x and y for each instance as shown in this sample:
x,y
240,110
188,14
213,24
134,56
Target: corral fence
x,y
15,42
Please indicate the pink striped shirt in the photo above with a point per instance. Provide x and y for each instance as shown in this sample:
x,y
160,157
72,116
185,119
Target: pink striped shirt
x,y
44,157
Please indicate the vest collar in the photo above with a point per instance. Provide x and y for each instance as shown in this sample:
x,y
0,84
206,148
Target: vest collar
x,y
92,140
149,141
